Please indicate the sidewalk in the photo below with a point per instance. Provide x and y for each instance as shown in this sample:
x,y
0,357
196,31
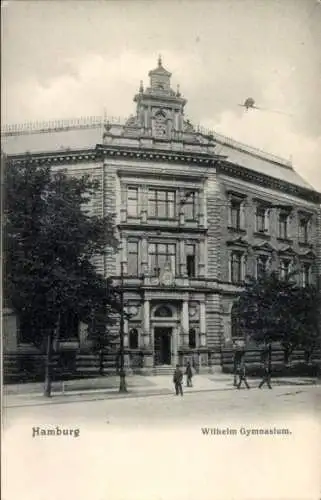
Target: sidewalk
x,y
18,395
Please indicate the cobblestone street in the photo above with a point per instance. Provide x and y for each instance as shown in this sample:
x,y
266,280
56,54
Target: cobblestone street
x,y
155,447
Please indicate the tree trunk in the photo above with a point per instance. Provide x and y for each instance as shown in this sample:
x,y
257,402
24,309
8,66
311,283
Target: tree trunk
x,y
270,358
101,361
48,365
308,356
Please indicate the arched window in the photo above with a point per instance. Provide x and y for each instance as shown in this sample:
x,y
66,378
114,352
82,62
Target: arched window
x,y
133,338
235,321
163,312
160,124
68,326
192,338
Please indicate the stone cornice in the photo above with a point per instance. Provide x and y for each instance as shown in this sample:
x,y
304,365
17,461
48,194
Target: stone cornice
x,y
235,170
193,176
146,154
190,158
56,157
157,225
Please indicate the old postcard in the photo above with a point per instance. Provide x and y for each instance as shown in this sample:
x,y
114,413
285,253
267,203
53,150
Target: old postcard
x,y
161,244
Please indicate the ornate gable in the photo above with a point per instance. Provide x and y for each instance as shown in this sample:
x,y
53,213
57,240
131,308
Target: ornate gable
x,y
238,242
308,255
287,251
264,247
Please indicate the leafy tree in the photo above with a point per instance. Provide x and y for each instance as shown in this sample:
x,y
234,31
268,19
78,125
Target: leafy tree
x,y
306,314
51,240
261,306
274,309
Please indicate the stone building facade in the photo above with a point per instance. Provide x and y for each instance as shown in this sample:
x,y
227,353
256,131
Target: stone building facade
x,y
195,213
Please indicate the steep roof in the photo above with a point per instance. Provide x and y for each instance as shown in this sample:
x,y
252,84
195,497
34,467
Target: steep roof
x,y
258,163
86,133
40,142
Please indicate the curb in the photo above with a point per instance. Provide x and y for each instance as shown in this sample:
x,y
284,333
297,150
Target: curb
x,y
99,395
106,396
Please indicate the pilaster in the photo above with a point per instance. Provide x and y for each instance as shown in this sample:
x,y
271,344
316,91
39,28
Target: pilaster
x,y
185,322
182,260
146,320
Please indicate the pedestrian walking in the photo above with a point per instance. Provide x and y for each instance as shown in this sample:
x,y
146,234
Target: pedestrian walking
x,y
266,378
242,374
238,352
189,375
178,380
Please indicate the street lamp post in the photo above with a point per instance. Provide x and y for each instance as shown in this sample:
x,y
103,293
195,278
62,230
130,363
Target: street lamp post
x,y
122,374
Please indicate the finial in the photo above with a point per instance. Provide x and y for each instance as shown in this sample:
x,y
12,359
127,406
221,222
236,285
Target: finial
x,y
178,91
159,61
141,87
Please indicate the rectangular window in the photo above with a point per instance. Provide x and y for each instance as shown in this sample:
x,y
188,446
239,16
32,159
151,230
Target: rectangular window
x,y
132,202
192,338
133,338
236,214
305,274
69,326
132,259
161,254
303,230
190,260
285,266
161,204
261,265
283,226
189,203
236,267
260,220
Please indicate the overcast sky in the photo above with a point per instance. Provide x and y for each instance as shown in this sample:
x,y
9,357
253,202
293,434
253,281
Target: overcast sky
x,y
67,59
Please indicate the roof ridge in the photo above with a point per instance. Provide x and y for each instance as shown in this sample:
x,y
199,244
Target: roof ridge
x,y
229,141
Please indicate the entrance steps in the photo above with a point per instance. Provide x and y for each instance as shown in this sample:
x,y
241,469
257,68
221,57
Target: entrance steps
x,y
162,370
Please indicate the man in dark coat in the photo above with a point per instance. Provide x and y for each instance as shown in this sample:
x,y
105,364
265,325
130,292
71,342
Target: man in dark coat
x,y
238,352
242,373
265,358
178,380
189,375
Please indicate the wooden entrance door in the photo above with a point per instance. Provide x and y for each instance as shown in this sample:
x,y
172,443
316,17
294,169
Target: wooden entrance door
x,y
163,337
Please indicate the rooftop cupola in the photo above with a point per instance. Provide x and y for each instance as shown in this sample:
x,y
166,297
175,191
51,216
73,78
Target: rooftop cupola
x,y
160,78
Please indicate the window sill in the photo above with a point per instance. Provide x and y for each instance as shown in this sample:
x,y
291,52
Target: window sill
x,y
236,230
305,244
261,234
285,240
165,219
237,283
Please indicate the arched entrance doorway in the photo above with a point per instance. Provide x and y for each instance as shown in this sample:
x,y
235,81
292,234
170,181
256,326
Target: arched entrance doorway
x,y
163,318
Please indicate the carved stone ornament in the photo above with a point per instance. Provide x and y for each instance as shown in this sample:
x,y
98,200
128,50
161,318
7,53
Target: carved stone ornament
x,y
166,276
133,310
192,310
